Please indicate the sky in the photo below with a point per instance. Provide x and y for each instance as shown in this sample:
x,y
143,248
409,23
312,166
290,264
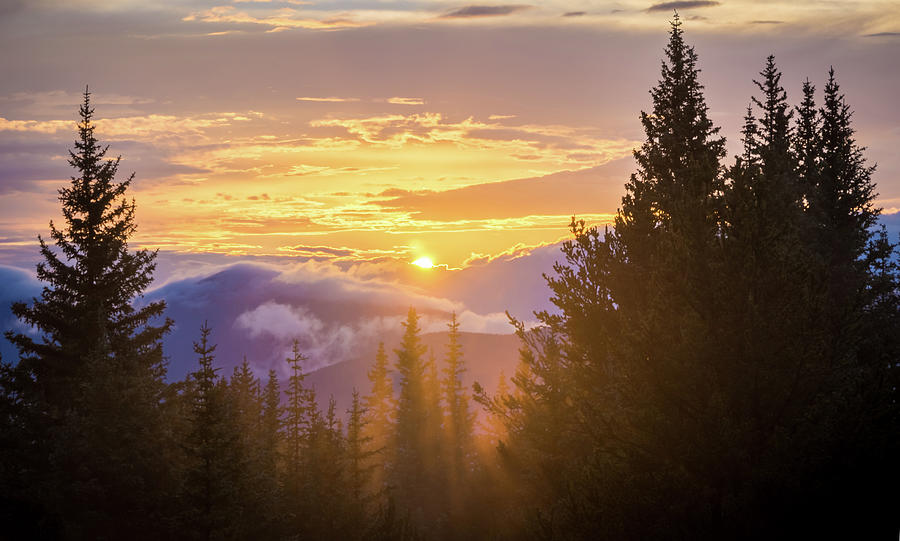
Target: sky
x,y
338,141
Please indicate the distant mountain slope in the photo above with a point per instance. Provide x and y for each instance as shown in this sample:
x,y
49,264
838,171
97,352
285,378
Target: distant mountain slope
x,y
485,355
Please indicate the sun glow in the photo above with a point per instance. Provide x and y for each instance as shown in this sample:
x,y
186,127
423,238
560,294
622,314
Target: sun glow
x,y
424,262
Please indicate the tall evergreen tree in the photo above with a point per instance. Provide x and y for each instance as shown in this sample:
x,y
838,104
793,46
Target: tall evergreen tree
x,y
434,425
678,181
646,397
91,386
254,484
494,425
855,403
245,394
296,423
459,420
806,144
360,456
270,448
271,418
379,406
667,235
216,462
337,476
411,436
769,310
842,205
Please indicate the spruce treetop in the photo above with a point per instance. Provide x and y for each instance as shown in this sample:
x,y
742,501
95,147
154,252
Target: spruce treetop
x,y
91,277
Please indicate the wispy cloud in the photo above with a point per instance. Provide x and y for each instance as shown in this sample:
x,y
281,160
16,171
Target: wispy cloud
x,y
337,99
510,254
484,11
144,127
329,99
343,253
682,4
38,126
293,2
559,143
281,19
406,101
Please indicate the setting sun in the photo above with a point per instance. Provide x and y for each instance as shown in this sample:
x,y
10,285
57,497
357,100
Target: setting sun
x,y
424,262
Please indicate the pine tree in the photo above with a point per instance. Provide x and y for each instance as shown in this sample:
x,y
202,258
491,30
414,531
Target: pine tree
x,y
379,406
335,488
314,476
769,309
678,178
459,420
434,477
271,418
217,465
854,402
842,206
775,125
494,425
254,487
614,394
667,235
806,144
270,443
360,456
296,422
434,426
411,437
245,393
92,384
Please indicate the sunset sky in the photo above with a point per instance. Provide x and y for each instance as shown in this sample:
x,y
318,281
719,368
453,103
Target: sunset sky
x,y
362,135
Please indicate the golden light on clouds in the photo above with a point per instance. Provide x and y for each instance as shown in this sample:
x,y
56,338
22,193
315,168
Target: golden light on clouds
x,y
406,101
329,99
387,139
821,16
260,184
278,19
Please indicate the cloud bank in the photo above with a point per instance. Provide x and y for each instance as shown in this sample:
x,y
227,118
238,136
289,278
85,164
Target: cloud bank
x,y
335,312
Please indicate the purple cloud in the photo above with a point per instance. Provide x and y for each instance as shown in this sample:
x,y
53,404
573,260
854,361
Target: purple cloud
x,y
484,11
682,4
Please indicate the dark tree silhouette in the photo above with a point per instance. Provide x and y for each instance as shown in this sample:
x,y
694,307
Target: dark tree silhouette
x,y
215,463
711,370
90,388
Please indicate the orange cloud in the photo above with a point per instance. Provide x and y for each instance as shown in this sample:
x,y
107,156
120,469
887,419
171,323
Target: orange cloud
x,y
560,144
141,127
406,101
39,126
284,18
330,99
559,194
